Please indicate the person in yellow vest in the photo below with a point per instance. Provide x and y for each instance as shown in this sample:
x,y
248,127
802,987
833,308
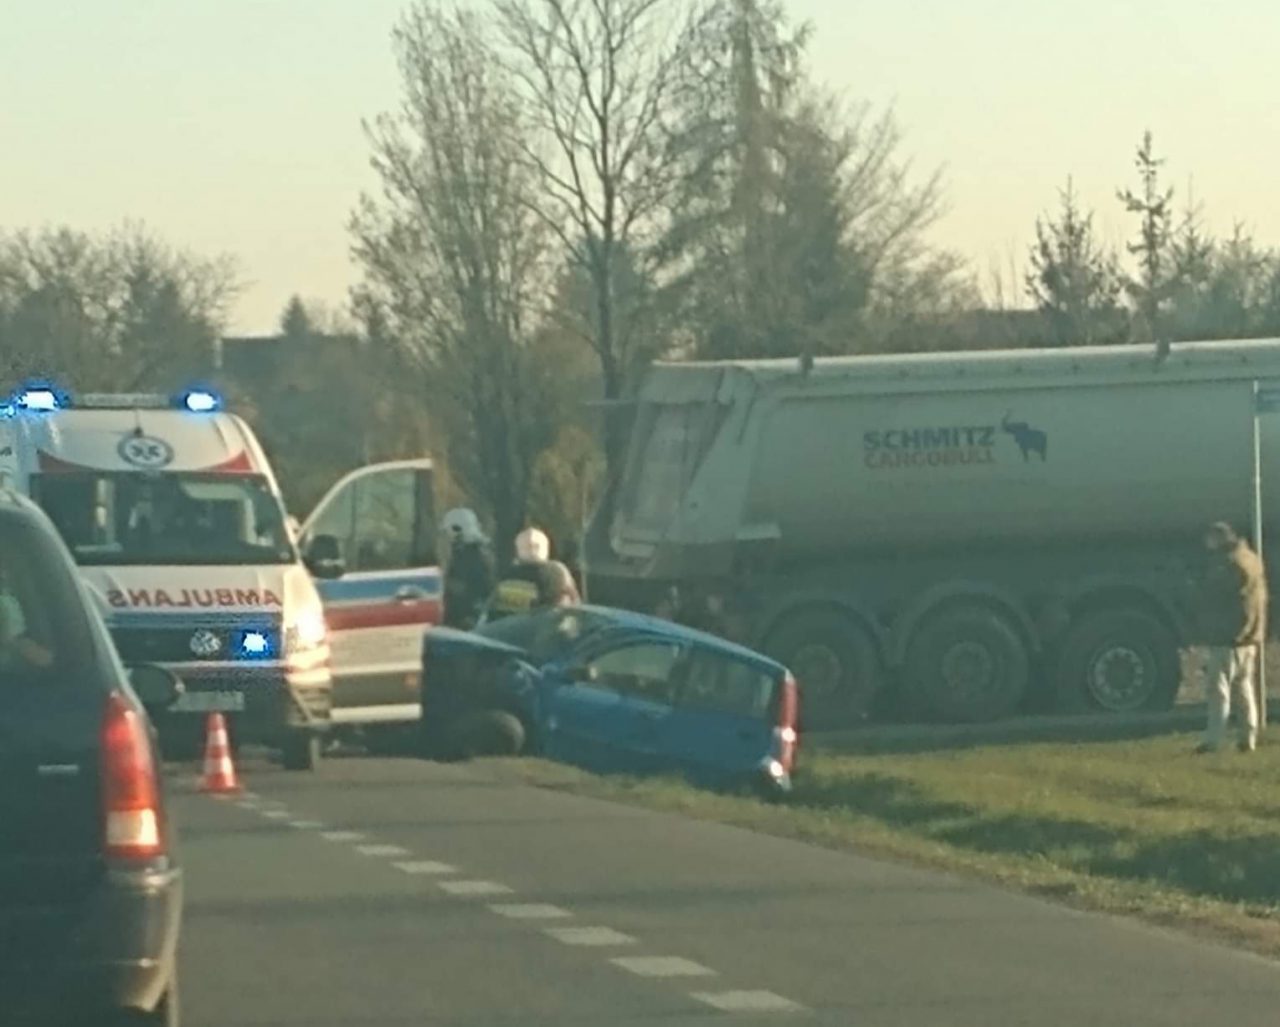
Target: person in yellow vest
x,y
534,581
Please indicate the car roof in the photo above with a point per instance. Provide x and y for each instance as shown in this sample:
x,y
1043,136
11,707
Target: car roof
x,y
627,619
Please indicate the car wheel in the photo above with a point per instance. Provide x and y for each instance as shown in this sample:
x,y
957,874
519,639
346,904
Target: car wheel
x,y
966,664
301,751
836,663
490,733
1117,661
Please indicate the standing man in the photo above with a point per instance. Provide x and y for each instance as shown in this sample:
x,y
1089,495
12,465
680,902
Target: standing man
x,y
534,581
1233,624
468,575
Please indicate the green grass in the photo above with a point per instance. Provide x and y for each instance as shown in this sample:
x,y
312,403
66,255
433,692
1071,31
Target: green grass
x,y
1132,827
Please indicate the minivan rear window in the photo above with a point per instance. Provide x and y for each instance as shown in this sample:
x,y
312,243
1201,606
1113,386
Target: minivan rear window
x,y
722,684
42,624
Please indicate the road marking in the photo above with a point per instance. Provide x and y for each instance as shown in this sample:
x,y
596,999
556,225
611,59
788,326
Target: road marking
x,y
474,887
382,850
341,836
275,814
425,866
306,825
748,1002
252,807
662,966
594,937
530,911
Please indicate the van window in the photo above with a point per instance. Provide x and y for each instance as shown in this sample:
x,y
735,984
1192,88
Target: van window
x,y
647,670
722,684
173,518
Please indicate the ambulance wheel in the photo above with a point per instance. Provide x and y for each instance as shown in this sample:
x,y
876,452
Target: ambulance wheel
x,y
301,751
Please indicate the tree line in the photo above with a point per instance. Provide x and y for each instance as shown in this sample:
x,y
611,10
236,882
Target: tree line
x,y
570,189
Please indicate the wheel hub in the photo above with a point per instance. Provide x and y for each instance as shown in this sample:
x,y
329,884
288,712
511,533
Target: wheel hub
x,y
818,666
968,669
1118,678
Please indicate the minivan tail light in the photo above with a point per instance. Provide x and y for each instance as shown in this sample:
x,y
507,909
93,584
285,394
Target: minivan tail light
x,y
130,788
786,731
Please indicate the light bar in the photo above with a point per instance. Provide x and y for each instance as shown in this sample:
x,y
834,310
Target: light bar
x,y
38,400
200,401
121,401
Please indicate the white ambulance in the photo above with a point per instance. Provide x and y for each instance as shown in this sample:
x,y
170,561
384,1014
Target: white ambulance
x,y
172,511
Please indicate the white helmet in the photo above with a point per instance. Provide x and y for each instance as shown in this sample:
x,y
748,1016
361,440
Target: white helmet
x,y
462,525
533,546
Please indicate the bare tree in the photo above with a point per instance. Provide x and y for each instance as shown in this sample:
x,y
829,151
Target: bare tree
x,y
122,311
454,257
597,76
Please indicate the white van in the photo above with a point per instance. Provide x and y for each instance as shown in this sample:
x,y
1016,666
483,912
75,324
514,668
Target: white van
x,y
174,515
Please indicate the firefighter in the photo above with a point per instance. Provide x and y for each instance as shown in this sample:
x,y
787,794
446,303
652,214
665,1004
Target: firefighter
x,y
468,576
534,581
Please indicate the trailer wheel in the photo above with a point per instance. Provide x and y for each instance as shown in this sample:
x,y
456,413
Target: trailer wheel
x,y
836,663
966,664
1118,661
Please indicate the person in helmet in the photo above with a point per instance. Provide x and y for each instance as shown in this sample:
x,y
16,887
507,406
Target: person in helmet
x,y
468,576
534,581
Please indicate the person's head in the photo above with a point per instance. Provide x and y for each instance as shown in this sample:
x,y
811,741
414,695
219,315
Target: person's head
x,y
461,525
1220,537
533,546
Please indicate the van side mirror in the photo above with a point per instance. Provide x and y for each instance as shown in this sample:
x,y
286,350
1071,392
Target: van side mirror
x,y
323,557
583,673
156,687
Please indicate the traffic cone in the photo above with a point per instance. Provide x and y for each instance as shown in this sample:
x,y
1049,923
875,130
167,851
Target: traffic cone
x,y
219,776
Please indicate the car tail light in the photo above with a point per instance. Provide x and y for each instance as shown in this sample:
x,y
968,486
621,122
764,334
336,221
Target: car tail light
x,y
130,787
786,732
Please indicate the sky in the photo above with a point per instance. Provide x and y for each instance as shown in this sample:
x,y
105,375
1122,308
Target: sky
x,y
234,126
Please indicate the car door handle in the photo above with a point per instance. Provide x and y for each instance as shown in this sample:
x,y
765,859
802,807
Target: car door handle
x,y
410,594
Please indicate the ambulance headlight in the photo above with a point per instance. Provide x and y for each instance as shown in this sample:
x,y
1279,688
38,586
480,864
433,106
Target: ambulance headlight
x,y
254,645
306,631
200,401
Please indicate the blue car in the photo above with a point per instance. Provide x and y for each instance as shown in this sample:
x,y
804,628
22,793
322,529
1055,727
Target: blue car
x,y
613,692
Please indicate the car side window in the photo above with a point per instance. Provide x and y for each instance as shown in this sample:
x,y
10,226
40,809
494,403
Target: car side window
x,y
29,611
647,670
385,521
722,684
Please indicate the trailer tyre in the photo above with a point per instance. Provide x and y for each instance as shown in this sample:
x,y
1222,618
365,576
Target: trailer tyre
x,y
1118,661
966,664
836,663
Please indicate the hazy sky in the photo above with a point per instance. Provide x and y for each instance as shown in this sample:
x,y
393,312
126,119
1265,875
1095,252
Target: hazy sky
x,y
234,125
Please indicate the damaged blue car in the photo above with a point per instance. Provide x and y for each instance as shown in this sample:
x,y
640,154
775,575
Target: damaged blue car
x,y
614,692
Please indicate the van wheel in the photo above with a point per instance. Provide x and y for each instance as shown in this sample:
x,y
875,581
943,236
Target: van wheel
x,y
1117,661
301,751
836,663
966,665
490,733
167,1014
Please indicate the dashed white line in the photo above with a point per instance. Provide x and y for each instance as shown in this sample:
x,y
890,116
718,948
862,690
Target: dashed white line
x,y
252,807
382,850
592,937
530,911
474,887
275,814
305,825
662,966
425,866
748,1002
341,836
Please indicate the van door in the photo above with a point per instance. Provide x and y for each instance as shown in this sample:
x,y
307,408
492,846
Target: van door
x,y
385,590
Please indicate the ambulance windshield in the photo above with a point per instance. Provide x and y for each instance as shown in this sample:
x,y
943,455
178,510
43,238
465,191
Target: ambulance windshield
x,y
166,519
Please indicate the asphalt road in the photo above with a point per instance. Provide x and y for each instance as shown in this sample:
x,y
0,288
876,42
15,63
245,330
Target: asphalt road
x,y
392,892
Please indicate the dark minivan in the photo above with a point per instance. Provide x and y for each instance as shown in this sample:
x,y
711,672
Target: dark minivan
x,y
90,890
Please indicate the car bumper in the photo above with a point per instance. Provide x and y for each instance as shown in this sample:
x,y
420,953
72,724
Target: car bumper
x,y
115,948
278,700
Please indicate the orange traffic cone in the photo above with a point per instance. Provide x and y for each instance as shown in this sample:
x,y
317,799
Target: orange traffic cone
x,y
219,776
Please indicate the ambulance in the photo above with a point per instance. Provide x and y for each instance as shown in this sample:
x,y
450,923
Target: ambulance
x,y
174,515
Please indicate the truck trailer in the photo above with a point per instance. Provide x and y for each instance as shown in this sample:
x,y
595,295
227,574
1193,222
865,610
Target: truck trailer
x,y
958,534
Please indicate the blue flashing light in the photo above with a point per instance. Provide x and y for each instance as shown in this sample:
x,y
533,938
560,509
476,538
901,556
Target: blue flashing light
x,y
255,645
200,401
40,400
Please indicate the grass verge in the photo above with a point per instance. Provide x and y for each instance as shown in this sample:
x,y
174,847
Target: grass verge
x,y
1139,828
